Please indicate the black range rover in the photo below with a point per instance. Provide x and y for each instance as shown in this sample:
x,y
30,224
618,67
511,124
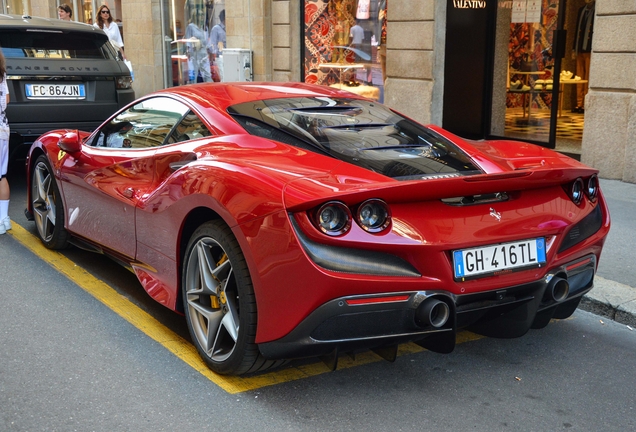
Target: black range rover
x,y
60,75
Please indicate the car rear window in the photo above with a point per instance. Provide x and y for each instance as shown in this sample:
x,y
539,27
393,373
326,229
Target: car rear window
x,y
361,132
54,44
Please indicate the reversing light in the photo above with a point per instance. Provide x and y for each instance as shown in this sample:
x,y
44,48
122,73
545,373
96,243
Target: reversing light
x,y
124,82
576,192
373,216
333,218
592,188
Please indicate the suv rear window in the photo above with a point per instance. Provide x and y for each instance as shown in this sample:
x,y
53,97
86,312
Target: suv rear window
x,y
52,44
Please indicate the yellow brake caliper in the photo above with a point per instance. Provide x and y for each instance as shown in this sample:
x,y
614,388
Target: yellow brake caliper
x,y
214,299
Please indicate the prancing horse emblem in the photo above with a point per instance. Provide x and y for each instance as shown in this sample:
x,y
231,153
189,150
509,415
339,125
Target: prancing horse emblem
x,y
494,213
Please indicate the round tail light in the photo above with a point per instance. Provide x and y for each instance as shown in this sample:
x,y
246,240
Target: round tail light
x,y
577,191
592,188
333,218
373,216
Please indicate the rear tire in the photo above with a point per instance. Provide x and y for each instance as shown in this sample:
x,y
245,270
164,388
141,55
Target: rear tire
x,y
219,302
48,210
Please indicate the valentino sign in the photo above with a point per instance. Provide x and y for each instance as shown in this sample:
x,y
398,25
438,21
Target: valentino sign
x,y
469,4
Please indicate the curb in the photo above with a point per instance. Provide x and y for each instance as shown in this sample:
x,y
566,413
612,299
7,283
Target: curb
x,y
612,300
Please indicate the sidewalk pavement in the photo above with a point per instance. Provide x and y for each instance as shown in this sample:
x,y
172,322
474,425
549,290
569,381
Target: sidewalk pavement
x,y
612,300
614,292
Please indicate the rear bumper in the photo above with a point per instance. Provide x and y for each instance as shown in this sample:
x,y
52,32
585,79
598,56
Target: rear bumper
x,y
366,322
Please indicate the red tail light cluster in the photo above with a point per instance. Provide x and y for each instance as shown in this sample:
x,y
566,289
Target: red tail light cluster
x,y
580,188
334,218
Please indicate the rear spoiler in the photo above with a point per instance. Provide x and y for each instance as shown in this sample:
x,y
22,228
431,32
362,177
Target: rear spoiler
x,y
306,193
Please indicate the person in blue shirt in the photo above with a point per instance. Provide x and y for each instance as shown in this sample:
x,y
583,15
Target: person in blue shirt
x,y
217,36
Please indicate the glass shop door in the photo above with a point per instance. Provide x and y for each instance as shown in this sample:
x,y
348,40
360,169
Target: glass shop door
x,y
534,75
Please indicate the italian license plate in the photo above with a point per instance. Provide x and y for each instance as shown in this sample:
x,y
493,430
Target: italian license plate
x,y
55,91
492,259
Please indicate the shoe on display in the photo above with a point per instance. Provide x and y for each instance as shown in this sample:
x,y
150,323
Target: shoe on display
x,y
515,85
566,75
6,223
539,81
525,88
577,78
538,87
548,87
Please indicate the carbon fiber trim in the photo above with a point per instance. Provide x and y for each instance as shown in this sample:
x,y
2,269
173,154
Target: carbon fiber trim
x,y
583,230
356,261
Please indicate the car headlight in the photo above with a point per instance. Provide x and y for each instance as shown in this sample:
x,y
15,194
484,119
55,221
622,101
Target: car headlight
x,y
373,215
333,218
576,191
124,82
592,188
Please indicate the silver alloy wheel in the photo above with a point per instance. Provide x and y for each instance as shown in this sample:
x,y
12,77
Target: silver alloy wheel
x,y
43,196
212,299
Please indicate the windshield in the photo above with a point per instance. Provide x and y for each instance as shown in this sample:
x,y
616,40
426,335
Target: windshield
x,y
34,43
360,132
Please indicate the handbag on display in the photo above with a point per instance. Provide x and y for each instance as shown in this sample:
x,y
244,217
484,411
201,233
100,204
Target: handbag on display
x,y
528,65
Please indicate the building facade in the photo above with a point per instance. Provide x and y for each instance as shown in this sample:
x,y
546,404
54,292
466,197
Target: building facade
x,y
554,72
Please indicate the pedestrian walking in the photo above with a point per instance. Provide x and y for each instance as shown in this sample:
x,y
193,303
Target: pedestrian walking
x,y
5,222
64,12
197,49
105,22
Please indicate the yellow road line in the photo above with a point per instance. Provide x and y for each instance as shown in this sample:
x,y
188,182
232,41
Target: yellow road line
x,y
174,343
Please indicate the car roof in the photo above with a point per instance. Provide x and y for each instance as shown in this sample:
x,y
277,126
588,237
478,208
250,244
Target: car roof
x,y
25,21
224,95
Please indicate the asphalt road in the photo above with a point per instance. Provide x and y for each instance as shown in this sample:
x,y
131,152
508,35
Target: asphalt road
x,y
69,362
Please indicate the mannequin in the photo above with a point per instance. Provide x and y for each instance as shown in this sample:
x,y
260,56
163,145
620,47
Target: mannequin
x,y
583,49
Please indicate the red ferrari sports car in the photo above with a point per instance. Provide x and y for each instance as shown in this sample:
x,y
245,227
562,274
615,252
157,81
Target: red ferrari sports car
x,y
291,220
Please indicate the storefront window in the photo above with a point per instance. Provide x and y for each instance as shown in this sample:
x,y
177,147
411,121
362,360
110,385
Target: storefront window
x,y
197,30
533,93
16,7
345,45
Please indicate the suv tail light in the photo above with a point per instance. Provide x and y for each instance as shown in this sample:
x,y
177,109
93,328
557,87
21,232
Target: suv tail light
x,y
124,82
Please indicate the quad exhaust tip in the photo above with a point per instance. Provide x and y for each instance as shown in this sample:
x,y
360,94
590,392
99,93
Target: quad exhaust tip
x,y
432,313
558,289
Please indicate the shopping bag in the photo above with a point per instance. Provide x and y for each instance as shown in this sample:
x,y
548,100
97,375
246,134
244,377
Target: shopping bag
x,y
129,66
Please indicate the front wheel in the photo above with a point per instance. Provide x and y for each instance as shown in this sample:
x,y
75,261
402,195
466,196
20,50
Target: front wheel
x,y
48,210
220,306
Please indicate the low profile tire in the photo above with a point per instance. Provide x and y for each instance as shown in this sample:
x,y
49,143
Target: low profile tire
x,y
219,301
48,210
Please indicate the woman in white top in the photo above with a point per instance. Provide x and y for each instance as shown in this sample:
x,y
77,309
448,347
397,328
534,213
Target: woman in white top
x,y
106,23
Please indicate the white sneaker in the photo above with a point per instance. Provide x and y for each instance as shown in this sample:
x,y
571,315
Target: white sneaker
x,y
2,229
6,224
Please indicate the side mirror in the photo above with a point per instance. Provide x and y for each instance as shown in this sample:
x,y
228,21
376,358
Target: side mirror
x,y
70,142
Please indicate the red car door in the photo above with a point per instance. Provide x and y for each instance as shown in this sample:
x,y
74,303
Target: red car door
x,y
102,187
